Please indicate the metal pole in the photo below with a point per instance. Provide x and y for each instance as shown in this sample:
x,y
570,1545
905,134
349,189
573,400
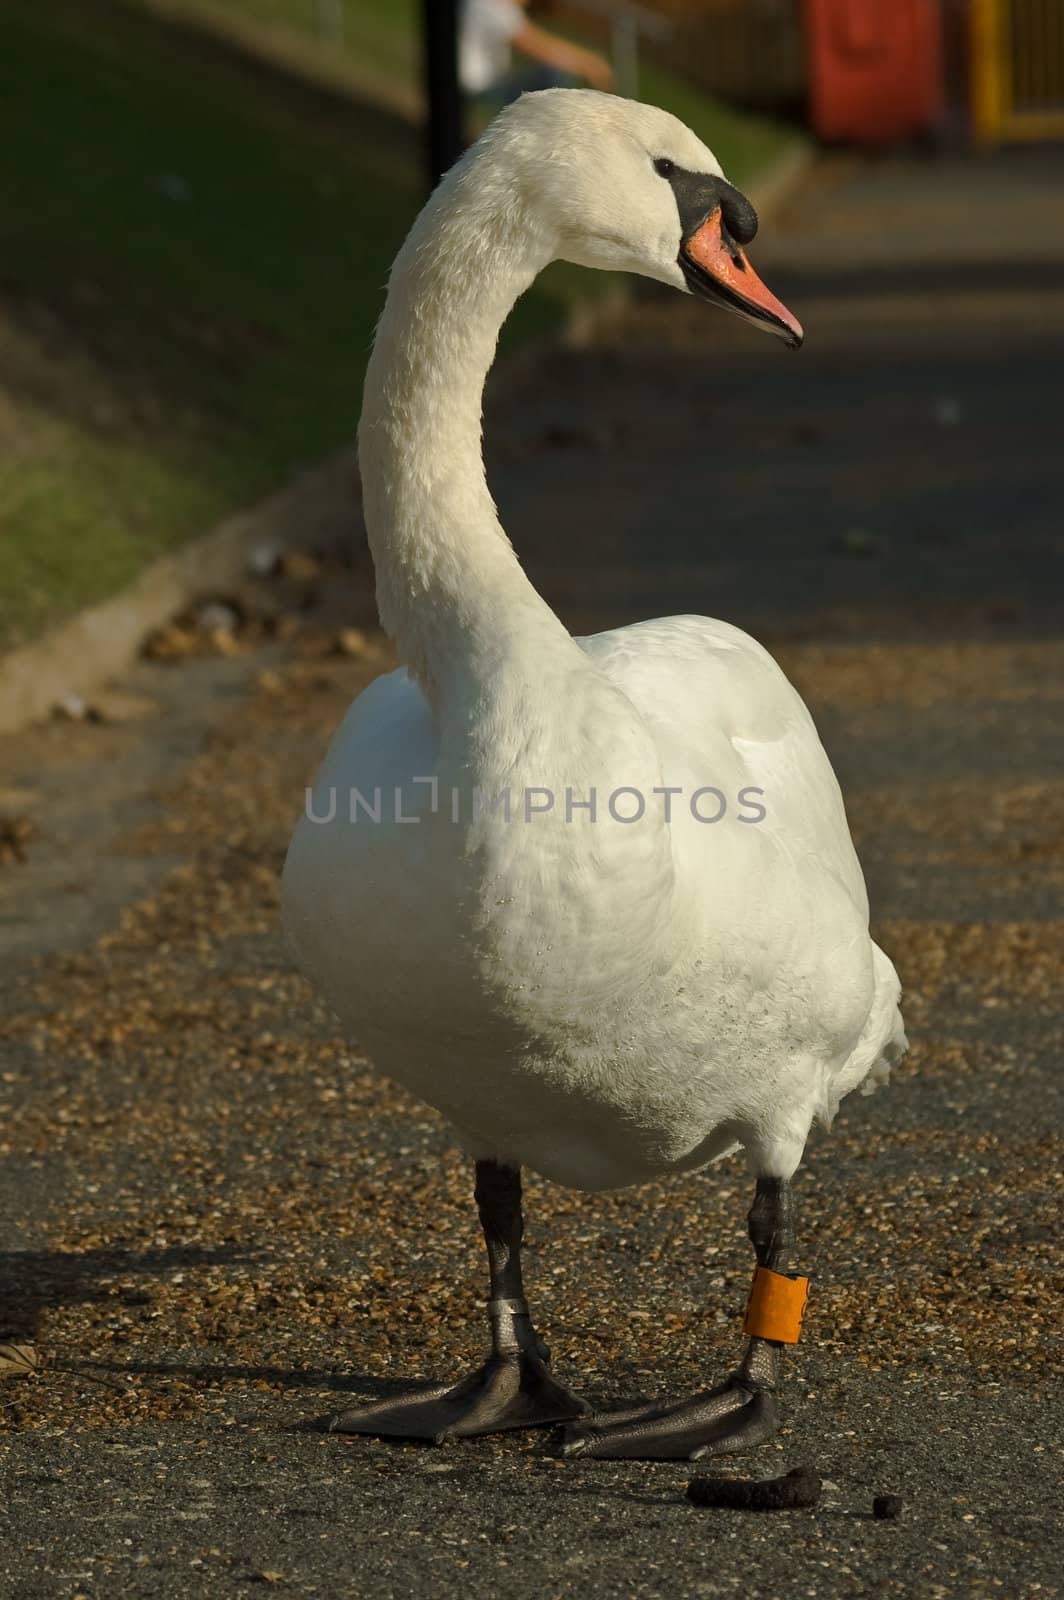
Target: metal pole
x,y
331,20
624,48
440,36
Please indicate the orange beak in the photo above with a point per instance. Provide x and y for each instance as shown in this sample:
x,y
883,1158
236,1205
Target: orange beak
x,y
716,268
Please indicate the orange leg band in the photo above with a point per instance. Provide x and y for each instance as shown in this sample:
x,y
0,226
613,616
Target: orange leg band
x,y
776,1306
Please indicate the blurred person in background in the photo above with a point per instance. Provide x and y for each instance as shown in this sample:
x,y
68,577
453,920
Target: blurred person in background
x,y
491,29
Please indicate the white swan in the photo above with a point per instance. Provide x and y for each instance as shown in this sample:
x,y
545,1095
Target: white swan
x,y
604,984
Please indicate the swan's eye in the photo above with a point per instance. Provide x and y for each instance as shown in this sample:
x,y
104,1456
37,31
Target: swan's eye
x,y
664,167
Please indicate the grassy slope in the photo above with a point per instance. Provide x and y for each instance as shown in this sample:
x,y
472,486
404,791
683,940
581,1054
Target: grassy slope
x,y
202,247
191,259
380,34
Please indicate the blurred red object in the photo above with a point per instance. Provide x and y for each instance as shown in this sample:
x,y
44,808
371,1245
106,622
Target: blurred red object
x,y
875,68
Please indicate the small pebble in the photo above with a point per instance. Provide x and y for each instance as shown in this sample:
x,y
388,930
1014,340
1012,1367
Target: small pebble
x,y
264,559
947,411
887,1507
351,642
300,565
72,707
796,1489
14,832
216,616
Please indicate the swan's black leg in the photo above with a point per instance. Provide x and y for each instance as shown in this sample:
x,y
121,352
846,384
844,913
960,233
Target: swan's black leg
x,y
737,1415
514,1388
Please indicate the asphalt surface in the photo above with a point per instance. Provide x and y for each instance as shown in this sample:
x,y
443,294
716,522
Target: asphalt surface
x,y
218,1225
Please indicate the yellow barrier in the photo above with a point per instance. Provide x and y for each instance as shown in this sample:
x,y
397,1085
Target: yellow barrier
x,y
1017,66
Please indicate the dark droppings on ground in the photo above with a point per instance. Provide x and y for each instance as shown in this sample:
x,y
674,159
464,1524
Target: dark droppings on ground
x,y
796,1490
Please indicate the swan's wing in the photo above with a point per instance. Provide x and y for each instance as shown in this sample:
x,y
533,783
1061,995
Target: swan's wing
x,y
388,734
387,737
723,713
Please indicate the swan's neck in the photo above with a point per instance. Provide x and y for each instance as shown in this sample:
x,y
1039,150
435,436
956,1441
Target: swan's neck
x,y
450,589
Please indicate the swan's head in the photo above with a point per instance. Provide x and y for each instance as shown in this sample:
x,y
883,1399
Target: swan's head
x,y
626,187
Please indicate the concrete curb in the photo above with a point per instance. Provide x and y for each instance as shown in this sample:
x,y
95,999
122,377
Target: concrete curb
x,y
318,507
78,656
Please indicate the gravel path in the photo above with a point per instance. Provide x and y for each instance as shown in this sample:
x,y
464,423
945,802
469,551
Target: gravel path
x,y
218,1225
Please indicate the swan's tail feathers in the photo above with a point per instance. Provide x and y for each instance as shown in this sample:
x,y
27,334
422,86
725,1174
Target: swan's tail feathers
x,y
881,1045
891,1053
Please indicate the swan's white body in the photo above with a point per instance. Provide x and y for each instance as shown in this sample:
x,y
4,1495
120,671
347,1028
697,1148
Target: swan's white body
x,y
601,1000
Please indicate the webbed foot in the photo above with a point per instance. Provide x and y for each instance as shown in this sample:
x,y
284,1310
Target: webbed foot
x,y
508,1391
735,1416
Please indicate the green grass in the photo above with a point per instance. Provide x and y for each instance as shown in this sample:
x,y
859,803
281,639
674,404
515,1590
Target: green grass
x,y
378,35
192,255
209,244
